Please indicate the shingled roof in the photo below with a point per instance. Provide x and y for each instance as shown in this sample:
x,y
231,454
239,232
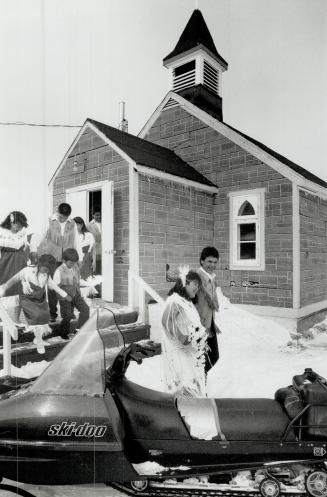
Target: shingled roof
x,y
295,167
196,33
150,155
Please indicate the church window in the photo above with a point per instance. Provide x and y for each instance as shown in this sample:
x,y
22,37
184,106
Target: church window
x,y
247,240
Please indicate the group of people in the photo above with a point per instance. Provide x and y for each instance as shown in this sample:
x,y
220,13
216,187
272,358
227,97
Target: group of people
x,y
52,264
189,339
69,251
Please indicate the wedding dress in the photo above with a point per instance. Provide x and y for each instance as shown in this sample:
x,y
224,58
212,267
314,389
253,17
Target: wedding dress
x,y
183,348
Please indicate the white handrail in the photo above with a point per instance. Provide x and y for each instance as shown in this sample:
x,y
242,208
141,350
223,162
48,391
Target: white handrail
x,y
9,330
142,288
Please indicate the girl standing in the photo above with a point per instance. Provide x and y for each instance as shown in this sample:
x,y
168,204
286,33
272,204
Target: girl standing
x,y
13,242
86,249
184,339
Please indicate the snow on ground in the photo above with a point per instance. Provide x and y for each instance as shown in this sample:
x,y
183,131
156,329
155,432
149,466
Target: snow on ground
x,y
257,356
30,370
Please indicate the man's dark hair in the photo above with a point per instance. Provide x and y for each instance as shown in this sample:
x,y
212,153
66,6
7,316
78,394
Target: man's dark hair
x,y
209,252
70,255
180,288
64,209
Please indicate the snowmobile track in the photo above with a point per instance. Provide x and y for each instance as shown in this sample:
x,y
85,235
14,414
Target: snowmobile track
x,y
194,492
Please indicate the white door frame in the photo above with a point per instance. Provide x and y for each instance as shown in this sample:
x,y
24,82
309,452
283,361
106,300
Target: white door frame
x,y
89,187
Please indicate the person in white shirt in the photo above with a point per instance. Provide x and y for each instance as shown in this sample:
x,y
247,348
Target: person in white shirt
x,y
86,249
67,277
13,242
95,228
61,235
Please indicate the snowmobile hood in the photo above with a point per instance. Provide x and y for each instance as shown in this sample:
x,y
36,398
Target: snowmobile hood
x,y
66,403
80,367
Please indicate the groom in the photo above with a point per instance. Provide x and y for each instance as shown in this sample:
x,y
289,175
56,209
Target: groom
x,y
207,303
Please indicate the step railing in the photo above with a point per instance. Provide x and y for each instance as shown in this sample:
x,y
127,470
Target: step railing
x,y
9,330
137,291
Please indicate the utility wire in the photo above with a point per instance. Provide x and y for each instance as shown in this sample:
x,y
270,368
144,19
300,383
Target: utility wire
x,y
19,123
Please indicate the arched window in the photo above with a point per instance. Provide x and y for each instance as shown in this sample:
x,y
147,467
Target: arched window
x,y
247,229
246,209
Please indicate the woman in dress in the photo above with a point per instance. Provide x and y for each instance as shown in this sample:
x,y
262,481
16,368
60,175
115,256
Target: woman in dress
x,y
86,249
32,299
13,244
184,339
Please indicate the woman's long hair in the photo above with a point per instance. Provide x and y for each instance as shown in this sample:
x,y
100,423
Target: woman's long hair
x,y
180,289
80,220
15,217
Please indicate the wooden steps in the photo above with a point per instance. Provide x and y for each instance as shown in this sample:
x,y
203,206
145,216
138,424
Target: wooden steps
x,y
24,351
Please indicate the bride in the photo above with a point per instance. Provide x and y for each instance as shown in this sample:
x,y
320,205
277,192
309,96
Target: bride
x,y
184,339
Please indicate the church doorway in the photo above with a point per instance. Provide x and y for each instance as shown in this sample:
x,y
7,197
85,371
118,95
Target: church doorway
x,y
94,203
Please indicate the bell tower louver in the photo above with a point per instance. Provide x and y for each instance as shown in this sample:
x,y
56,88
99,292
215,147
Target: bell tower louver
x,y
195,67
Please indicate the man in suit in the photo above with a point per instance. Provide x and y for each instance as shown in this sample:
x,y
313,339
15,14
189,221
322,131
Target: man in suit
x,y
207,303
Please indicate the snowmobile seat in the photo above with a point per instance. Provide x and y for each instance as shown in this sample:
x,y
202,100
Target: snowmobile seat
x,y
252,419
290,400
148,414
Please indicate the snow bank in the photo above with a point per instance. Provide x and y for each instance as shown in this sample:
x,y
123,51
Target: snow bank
x,y
257,356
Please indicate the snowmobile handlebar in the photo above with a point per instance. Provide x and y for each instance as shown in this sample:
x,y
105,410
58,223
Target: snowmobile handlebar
x,y
134,352
309,376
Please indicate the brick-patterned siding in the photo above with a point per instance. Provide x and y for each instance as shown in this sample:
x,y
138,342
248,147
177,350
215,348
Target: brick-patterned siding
x,y
233,169
97,161
313,246
175,224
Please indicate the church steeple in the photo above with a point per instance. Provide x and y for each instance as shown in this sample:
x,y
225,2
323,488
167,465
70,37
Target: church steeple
x,y
196,67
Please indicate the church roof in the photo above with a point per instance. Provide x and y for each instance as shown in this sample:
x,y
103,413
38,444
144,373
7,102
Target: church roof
x,y
145,153
196,33
292,165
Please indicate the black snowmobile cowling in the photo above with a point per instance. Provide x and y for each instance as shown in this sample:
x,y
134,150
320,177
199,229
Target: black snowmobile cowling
x,y
82,421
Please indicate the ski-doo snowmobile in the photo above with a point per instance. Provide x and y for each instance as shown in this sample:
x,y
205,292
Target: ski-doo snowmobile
x,y
83,421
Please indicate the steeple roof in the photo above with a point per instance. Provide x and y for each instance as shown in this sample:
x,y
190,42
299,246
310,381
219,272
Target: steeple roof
x,y
196,33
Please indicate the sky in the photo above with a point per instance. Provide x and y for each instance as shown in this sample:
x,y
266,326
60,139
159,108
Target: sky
x,y
62,62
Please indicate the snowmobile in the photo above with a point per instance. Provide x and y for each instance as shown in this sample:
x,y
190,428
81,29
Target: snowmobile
x,y
83,421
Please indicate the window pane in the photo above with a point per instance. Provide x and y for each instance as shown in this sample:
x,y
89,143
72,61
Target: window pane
x,y
247,232
246,209
247,250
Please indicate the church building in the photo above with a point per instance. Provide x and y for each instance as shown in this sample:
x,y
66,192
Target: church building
x,y
189,180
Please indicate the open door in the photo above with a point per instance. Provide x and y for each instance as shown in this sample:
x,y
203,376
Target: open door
x,y
107,215
78,198
78,202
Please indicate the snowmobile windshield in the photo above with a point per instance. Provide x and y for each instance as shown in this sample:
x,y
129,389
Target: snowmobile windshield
x,y
79,369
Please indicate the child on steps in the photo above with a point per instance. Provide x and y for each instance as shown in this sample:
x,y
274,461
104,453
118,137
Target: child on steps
x,y
35,280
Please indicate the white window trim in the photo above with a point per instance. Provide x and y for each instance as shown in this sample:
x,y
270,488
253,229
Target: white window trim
x,y
259,263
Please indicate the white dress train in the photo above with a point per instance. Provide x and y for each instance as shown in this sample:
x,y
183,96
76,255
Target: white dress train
x,y
183,348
